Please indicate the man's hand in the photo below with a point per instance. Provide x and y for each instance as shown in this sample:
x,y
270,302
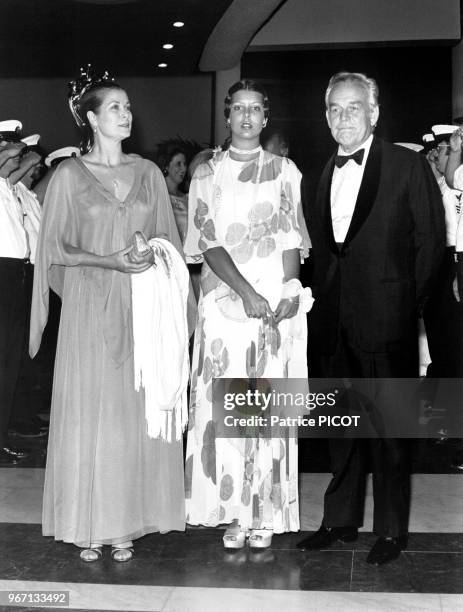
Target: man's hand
x,y
455,289
30,159
458,282
431,156
9,150
456,141
9,157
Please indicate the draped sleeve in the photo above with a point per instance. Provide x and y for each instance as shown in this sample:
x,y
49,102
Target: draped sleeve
x,y
201,234
79,213
59,229
293,232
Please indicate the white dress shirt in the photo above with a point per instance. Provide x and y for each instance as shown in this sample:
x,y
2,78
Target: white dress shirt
x,y
32,212
451,199
459,235
19,221
345,187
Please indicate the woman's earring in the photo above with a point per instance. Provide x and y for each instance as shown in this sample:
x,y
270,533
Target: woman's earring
x,y
165,171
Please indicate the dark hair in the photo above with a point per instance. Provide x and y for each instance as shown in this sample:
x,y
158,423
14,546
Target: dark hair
x,y
248,85
268,134
91,100
166,155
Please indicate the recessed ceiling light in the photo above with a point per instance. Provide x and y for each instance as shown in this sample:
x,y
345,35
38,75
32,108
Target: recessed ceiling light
x,y
178,24
163,65
168,46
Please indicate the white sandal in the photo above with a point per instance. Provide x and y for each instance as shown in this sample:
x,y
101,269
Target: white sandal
x,y
92,554
121,555
234,537
260,538
123,552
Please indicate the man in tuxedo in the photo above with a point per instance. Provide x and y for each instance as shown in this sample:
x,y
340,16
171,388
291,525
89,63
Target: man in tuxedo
x,y
378,237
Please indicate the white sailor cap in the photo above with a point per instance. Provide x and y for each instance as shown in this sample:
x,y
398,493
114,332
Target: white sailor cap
x,y
54,158
410,145
442,132
10,130
32,140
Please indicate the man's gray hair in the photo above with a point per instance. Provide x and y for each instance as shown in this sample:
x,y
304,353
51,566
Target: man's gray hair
x,y
358,78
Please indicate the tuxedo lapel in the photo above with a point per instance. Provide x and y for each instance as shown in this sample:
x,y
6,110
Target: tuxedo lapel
x,y
368,190
325,204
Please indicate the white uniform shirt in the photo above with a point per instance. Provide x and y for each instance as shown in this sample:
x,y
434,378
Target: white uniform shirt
x,y
345,187
459,235
458,178
14,241
451,200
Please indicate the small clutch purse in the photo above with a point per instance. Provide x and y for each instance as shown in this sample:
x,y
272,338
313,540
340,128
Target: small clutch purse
x,y
140,244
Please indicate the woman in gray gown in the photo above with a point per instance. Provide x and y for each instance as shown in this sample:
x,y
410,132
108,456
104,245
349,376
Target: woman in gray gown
x,y
106,481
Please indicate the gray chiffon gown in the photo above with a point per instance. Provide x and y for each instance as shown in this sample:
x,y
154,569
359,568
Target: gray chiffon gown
x,y
105,480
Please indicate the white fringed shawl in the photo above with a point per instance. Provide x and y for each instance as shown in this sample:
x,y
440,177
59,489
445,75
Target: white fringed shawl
x,y
160,332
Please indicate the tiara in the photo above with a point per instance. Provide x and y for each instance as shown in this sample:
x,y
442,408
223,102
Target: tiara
x,y
79,86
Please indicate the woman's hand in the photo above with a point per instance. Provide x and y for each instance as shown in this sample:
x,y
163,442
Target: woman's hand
x,y
136,257
129,262
286,309
256,306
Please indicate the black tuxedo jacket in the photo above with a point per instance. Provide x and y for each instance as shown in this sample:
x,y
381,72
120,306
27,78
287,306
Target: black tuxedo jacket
x,y
377,281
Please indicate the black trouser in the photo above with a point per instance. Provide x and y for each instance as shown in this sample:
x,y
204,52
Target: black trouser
x,y
15,284
344,497
25,403
443,319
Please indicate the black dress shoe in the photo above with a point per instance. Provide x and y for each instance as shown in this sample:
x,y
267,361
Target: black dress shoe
x,y
324,537
6,459
457,462
386,550
13,451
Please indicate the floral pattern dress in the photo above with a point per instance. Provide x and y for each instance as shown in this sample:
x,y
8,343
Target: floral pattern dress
x,y
250,209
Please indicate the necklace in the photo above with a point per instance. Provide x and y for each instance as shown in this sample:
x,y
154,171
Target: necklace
x,y
244,151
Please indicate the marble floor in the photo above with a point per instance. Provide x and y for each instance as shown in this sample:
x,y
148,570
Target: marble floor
x,y
189,572
437,499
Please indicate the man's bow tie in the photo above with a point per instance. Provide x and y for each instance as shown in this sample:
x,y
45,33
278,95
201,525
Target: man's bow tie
x,y
340,160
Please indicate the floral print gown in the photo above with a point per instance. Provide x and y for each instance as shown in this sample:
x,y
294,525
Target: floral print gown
x,y
250,209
